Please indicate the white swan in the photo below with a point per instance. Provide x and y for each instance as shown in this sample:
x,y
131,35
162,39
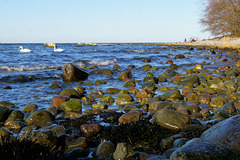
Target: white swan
x,y
24,50
58,49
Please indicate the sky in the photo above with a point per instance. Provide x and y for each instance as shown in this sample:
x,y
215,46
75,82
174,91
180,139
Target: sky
x,y
100,21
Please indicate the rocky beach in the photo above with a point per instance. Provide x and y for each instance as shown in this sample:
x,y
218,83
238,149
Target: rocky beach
x,y
183,106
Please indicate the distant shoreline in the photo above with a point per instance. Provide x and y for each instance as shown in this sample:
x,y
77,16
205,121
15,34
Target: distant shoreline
x,y
225,42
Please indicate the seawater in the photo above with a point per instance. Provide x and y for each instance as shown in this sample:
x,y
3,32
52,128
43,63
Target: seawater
x,y
42,63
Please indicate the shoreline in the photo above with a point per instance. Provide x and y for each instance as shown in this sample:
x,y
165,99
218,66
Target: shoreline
x,y
225,42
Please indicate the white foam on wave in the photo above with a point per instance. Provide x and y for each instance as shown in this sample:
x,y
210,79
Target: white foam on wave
x,y
103,63
22,68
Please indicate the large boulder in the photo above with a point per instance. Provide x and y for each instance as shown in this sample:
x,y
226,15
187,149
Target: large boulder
x,y
171,119
72,73
226,133
196,149
4,113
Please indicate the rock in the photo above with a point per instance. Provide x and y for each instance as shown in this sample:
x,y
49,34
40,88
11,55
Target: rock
x,y
105,150
226,133
124,99
4,113
22,78
191,79
40,118
157,157
146,66
179,56
132,116
80,89
149,86
172,95
198,67
30,108
77,153
216,103
72,73
76,143
147,60
197,149
123,151
72,106
47,138
99,82
129,83
49,44
116,66
150,79
171,119
107,99
179,142
7,104
228,110
99,106
5,133
17,114
125,76
13,124
142,94
113,91
70,93
58,100
162,79
90,129
59,130
102,71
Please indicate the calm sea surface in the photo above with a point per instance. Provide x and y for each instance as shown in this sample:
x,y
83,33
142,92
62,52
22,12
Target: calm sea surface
x,y
42,63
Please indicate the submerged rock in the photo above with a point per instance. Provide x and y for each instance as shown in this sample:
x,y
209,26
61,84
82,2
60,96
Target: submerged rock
x,y
72,73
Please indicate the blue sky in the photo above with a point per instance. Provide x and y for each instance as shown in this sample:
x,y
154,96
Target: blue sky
x,y
100,21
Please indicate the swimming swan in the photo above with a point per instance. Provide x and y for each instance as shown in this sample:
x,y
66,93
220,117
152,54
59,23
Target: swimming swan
x,y
24,50
58,49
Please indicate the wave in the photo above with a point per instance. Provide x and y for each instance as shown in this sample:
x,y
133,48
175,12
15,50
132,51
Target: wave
x,y
103,63
22,68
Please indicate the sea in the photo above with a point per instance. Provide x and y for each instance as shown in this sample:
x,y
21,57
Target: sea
x,y
45,67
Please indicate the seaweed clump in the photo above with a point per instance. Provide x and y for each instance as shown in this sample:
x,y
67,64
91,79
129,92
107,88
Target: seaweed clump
x,y
25,149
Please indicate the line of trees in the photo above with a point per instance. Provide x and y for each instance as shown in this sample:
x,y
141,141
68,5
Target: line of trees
x,y
221,17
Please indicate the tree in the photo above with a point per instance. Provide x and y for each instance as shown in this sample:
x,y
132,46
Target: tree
x,y
221,17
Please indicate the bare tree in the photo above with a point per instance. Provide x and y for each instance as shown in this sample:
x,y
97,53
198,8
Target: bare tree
x,y
221,17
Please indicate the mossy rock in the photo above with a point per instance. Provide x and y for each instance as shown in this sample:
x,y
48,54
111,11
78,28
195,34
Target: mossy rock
x,y
130,83
102,71
147,67
112,91
150,86
150,79
4,113
71,93
99,82
192,79
30,107
40,118
123,99
17,114
107,99
47,138
72,73
72,106
172,95
125,76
